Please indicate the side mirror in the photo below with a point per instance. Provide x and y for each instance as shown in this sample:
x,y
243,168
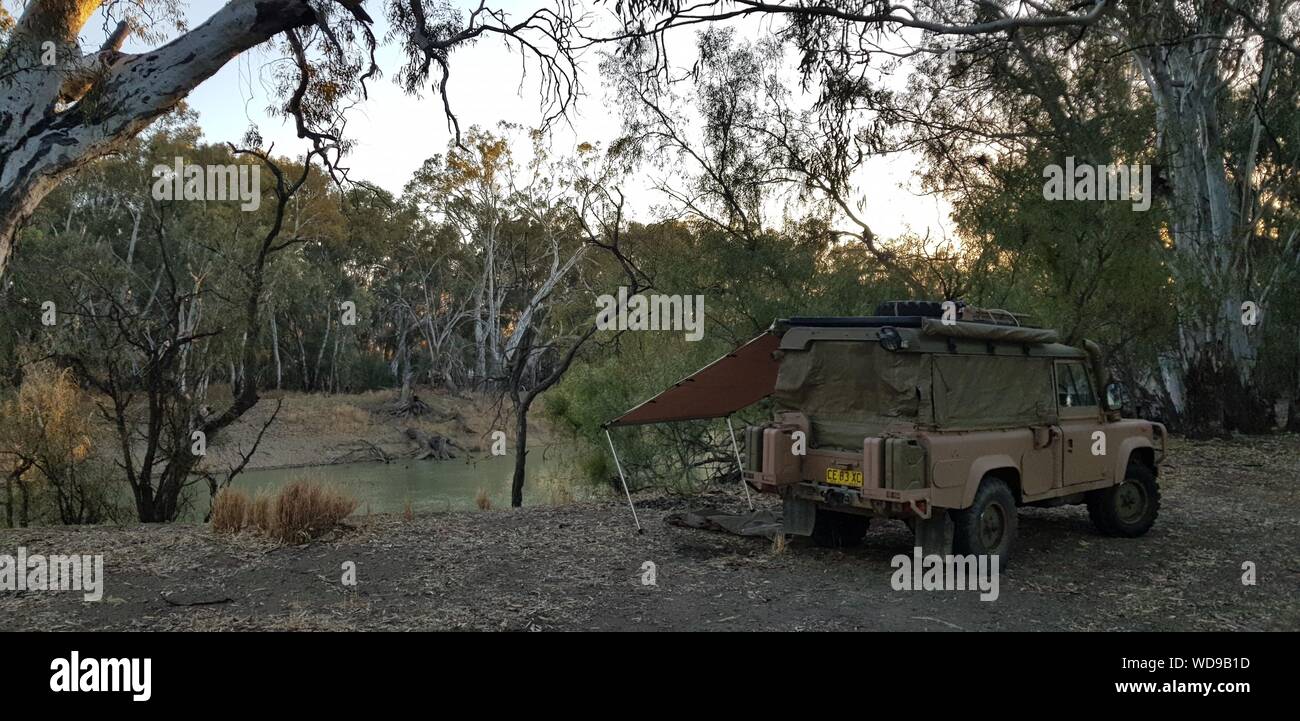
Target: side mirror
x,y
1116,396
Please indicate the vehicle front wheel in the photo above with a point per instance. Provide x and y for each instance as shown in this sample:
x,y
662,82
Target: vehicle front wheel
x,y
839,530
1129,508
988,527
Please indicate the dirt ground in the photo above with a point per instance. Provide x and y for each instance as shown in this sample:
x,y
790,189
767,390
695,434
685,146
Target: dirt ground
x,y
580,567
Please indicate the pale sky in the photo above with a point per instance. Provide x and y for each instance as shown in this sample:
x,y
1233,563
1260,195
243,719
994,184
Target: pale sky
x,y
395,133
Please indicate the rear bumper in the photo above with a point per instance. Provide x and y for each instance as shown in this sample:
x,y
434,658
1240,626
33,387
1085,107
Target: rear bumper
x,y
877,501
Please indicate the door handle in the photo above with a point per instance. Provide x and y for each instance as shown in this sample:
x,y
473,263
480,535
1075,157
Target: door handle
x,y
1069,444
1044,436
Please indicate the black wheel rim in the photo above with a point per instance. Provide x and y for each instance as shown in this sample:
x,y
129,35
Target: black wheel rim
x,y
1130,501
992,526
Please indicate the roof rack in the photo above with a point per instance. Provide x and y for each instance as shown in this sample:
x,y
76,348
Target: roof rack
x,y
996,316
866,321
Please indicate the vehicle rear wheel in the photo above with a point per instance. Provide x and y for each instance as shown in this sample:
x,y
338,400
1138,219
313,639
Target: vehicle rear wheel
x,y
1128,508
988,527
833,529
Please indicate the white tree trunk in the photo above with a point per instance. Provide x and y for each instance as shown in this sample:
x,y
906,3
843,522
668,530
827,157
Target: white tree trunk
x,y
1210,236
54,119
275,352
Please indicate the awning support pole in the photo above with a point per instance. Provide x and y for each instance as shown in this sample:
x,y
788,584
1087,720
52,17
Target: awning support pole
x,y
622,478
740,468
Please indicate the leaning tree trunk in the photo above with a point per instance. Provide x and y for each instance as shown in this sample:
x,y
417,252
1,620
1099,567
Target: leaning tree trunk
x,y
56,117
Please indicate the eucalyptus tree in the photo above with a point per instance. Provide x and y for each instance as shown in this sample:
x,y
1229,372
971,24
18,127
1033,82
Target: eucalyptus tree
x,y
63,105
470,189
574,208
1200,94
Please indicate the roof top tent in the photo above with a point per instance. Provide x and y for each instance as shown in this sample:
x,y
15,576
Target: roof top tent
x,y
749,373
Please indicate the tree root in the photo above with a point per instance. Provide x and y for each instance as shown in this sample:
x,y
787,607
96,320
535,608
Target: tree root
x,y
412,408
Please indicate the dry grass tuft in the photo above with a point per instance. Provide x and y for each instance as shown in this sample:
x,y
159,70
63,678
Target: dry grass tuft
x,y
778,544
305,510
259,511
555,489
348,416
229,511
482,500
300,512
408,513
318,413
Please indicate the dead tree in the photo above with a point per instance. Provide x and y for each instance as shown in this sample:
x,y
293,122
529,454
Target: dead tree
x,y
151,357
598,213
430,445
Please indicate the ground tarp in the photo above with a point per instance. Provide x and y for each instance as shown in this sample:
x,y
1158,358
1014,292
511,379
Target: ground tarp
x,y
740,378
754,523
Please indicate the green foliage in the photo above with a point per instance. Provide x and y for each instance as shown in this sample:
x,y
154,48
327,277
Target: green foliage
x,y
799,271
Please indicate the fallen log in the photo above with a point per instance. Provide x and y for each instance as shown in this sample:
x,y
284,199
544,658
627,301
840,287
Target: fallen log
x,y
430,445
363,450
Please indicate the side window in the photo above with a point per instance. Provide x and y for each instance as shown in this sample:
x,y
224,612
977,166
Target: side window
x,y
1073,389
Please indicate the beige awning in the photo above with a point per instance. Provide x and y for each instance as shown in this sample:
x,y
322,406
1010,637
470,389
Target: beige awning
x,y
740,378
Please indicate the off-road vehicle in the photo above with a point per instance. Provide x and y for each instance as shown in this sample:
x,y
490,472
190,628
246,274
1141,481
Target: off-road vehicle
x,y
950,424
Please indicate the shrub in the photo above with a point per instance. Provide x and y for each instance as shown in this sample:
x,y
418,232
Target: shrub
x,y
49,461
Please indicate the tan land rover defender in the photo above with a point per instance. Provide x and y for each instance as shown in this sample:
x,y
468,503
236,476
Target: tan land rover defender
x,y
949,424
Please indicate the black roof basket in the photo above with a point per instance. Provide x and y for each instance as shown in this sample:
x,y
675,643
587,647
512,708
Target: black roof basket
x,y
867,321
921,308
965,312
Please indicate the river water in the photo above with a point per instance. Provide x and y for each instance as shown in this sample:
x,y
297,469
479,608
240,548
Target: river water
x,y
425,485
